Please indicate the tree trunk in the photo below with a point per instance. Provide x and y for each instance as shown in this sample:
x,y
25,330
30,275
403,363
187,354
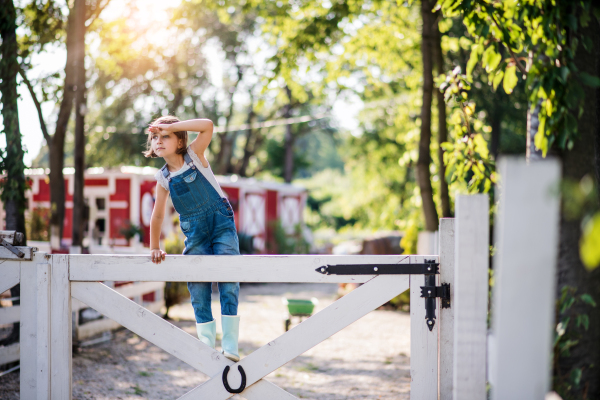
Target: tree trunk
x,y
227,139
423,173
56,149
580,161
13,190
288,144
442,127
248,147
79,10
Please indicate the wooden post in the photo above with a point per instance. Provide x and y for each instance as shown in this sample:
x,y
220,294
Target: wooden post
x,y
470,294
526,233
28,331
446,315
61,329
43,331
423,345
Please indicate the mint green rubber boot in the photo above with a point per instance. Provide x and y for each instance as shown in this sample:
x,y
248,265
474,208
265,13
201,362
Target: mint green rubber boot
x,y
231,333
207,332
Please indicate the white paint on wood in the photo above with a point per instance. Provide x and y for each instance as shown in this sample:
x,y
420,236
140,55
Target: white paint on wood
x,y
8,315
299,268
6,254
428,243
60,328
43,331
28,331
423,346
93,328
158,331
446,315
10,274
470,296
9,353
524,272
306,335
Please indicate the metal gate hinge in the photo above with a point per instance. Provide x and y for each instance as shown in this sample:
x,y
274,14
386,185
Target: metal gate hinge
x,y
443,292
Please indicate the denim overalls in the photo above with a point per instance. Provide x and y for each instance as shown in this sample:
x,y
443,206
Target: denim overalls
x,y
206,220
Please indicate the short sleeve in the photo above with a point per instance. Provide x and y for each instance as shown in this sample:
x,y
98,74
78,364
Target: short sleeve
x,y
162,180
195,158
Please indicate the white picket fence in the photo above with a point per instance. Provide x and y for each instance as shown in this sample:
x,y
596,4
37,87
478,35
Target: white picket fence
x,y
448,362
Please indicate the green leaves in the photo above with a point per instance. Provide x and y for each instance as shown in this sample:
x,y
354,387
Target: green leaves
x,y
510,79
589,248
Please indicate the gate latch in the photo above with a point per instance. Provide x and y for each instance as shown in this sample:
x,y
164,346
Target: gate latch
x,y
9,240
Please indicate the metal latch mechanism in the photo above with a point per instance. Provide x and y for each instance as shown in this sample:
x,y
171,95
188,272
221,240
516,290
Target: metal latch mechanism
x,y
11,241
8,238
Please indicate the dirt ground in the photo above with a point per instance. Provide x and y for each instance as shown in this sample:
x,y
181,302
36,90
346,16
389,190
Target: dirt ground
x,y
367,360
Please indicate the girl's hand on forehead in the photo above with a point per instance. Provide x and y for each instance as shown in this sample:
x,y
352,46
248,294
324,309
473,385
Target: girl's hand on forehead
x,y
159,128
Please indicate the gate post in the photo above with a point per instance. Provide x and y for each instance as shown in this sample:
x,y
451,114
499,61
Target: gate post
x,y
423,343
446,315
61,329
35,334
526,233
470,292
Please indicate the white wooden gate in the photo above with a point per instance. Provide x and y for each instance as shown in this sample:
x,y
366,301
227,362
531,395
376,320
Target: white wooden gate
x,y
49,282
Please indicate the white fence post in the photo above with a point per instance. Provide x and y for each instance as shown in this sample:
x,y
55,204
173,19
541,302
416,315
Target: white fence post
x,y
446,315
470,294
423,344
526,234
61,329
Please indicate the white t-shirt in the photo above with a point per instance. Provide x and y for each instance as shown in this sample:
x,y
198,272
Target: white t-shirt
x,y
206,172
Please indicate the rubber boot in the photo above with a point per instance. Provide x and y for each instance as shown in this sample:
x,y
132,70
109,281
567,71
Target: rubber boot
x,y
231,332
207,332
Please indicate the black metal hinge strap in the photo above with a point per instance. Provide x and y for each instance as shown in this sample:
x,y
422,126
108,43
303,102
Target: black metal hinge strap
x,y
380,269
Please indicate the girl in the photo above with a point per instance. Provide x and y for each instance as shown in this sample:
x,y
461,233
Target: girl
x,y
205,216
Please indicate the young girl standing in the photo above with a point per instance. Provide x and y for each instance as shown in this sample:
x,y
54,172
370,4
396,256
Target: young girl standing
x,y
205,216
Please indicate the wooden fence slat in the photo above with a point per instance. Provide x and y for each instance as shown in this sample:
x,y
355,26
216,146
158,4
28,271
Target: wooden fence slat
x,y
9,353
43,279
308,334
8,315
159,332
423,345
28,331
446,315
10,275
470,296
61,331
221,268
524,273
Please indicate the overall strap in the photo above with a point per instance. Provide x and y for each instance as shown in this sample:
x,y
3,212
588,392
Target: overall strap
x,y
188,160
166,173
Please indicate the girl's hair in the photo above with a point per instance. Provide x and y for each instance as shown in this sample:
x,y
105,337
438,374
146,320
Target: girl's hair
x,y
182,135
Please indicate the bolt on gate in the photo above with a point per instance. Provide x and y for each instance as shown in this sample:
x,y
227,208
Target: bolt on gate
x,y
49,281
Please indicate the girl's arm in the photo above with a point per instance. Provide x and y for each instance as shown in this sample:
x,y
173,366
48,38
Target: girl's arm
x,y
204,127
158,215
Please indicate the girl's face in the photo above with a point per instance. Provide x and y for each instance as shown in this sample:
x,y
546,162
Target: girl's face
x,y
165,144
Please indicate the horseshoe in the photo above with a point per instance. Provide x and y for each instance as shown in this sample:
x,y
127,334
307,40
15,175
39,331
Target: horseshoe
x,y
242,386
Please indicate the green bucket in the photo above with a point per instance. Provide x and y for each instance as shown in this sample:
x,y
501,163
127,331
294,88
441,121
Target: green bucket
x,y
300,307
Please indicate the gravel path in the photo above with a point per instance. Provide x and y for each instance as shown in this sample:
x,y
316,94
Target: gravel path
x,y
367,360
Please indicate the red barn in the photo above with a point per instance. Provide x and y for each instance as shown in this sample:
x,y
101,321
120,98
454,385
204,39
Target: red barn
x,y
121,198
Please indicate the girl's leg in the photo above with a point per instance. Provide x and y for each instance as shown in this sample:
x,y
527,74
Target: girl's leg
x,y
228,294
200,293
225,241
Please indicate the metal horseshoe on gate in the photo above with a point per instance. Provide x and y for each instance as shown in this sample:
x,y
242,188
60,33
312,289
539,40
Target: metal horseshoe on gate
x,y
226,384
